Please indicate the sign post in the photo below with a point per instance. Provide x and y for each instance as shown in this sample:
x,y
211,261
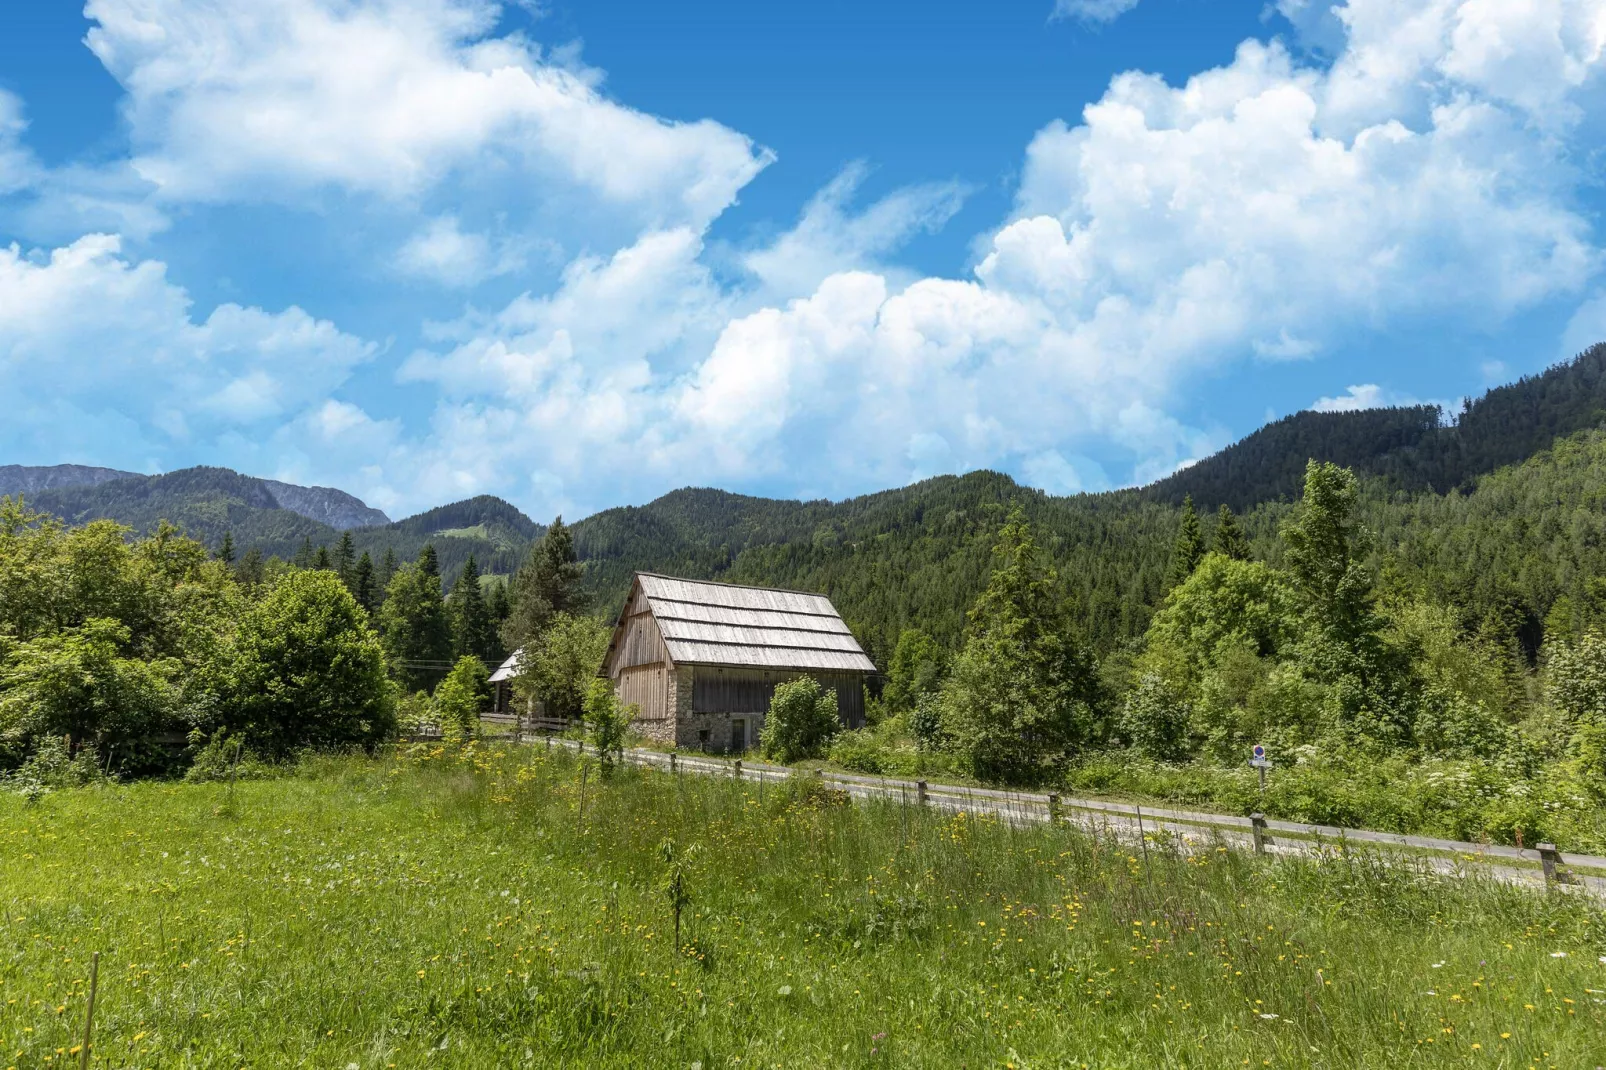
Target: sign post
x,y
1261,764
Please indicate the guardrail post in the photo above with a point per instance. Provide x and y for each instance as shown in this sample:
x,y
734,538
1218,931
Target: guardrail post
x,y
1550,860
1258,823
921,792
738,771
1053,807
674,766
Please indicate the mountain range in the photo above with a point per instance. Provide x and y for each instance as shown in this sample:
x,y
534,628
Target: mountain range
x,y
917,553
132,493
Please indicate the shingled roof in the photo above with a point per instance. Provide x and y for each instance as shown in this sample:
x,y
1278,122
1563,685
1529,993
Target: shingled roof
x,y
706,623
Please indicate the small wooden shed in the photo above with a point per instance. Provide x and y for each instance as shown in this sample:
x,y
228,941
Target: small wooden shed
x,y
702,659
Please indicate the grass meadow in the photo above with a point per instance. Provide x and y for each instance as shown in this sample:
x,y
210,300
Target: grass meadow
x,y
479,908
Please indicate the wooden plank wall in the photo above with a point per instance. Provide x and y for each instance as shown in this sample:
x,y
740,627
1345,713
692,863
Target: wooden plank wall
x,y
640,642
737,691
639,664
647,686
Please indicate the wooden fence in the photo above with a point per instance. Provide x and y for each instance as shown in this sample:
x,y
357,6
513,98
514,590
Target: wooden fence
x,y
1542,864
518,724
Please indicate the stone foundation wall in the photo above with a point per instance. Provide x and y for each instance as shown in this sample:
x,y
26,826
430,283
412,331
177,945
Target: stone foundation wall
x,y
660,731
690,729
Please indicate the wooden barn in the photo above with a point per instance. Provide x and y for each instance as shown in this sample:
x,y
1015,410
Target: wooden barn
x,y
702,659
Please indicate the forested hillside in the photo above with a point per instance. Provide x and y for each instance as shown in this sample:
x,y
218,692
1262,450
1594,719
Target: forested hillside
x,y
918,554
1413,449
497,535
203,502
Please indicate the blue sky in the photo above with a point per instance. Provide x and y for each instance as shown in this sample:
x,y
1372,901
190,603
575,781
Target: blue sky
x,y
580,254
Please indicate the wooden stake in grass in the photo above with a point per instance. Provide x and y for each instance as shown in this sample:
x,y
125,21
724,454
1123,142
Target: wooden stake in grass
x,y
89,1017
1144,840
585,770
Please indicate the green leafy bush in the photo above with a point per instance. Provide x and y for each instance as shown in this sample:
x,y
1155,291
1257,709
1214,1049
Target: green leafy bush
x,y
1155,720
925,722
559,666
53,766
859,750
224,757
801,721
460,697
80,684
310,672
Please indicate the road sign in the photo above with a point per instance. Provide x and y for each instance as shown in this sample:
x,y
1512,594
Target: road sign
x,y
1261,763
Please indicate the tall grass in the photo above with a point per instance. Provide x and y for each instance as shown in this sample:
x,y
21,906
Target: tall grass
x,y
443,908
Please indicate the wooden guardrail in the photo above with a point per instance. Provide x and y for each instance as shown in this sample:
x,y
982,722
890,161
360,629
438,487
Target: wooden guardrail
x,y
1558,869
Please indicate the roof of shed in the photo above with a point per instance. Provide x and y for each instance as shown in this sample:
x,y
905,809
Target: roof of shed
x,y
706,623
508,668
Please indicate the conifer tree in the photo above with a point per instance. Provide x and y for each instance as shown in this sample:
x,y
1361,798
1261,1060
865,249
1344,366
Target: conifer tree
x,y
323,564
1189,546
345,559
385,573
362,581
501,608
546,585
225,552
304,556
1230,539
473,632
428,563
1021,696
251,569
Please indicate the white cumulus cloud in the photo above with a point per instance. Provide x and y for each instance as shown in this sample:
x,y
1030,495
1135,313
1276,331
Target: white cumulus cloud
x,y
249,99
118,368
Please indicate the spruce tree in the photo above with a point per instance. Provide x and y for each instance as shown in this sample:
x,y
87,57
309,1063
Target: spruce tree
x,y
500,609
225,552
304,557
1189,547
472,627
323,564
1022,694
428,563
362,581
345,559
1230,537
385,573
547,584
